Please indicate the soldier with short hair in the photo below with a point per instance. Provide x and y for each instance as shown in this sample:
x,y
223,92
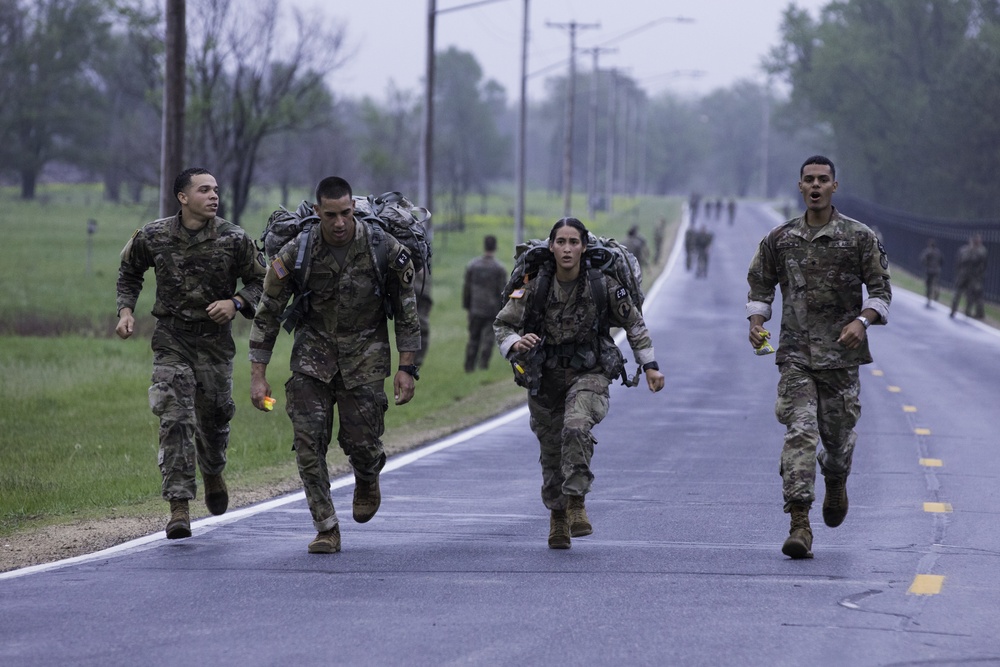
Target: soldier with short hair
x,y
197,258
578,360
821,261
482,287
341,354
931,260
971,272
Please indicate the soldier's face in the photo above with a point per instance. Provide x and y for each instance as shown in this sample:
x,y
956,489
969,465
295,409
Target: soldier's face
x,y
817,186
200,199
336,219
567,247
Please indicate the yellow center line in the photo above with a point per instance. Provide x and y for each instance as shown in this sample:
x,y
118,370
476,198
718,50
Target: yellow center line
x,y
894,389
878,373
937,507
909,408
932,463
926,584
922,431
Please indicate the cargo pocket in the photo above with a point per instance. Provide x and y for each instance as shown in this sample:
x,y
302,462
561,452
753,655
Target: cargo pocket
x,y
161,391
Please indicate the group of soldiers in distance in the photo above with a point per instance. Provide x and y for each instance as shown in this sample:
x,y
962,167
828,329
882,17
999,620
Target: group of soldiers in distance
x,y
970,274
697,239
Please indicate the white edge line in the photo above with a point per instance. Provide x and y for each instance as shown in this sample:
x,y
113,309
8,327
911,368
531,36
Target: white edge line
x,y
392,464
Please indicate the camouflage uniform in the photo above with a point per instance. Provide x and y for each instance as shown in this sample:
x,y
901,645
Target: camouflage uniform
x,y
636,244
970,275
821,280
579,365
191,389
422,287
482,288
931,260
341,355
702,242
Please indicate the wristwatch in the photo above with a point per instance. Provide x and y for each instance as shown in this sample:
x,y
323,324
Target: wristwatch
x,y
412,370
863,320
651,365
237,303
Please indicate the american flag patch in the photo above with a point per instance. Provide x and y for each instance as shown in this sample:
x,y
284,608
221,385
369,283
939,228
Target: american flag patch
x,y
279,269
517,294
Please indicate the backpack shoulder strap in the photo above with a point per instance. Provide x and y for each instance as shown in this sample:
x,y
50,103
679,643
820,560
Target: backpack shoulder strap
x,y
303,260
534,313
599,292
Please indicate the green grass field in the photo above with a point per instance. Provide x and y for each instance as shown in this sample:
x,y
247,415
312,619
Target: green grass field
x,y
77,438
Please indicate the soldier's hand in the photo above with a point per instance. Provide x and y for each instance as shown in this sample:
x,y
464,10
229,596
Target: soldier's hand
x,y
259,389
221,311
655,380
527,341
757,336
402,387
852,335
126,324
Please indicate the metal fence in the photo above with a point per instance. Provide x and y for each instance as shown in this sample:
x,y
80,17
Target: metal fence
x,y
905,236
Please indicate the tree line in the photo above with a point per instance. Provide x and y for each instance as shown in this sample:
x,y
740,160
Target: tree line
x,y
900,94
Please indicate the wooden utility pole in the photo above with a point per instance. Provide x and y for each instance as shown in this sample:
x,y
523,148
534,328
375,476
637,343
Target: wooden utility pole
x,y
595,81
522,122
572,27
172,139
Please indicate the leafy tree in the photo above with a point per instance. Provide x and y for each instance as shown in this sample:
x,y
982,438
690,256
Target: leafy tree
x,y
51,100
391,142
895,81
468,148
245,87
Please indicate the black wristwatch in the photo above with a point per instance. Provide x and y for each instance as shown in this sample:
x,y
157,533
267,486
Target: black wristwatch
x,y
651,365
237,303
411,369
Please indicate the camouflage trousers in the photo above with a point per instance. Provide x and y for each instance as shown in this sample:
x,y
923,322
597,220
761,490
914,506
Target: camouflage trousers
x,y
481,342
816,406
361,410
192,393
568,405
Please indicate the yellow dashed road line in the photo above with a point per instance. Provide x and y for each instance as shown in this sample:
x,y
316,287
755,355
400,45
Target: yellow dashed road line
x,y
937,508
926,584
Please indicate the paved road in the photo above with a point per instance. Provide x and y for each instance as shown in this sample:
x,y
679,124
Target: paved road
x,y
684,567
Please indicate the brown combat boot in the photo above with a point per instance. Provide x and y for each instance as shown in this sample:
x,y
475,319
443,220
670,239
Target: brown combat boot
x,y
835,502
559,530
367,499
216,494
179,525
579,523
326,542
800,536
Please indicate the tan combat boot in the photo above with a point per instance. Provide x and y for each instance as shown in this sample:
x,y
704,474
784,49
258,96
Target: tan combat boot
x,y
579,523
835,502
367,499
326,542
216,494
179,525
559,530
800,536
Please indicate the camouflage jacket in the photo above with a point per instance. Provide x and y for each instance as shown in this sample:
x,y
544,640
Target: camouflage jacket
x,y
821,288
192,270
971,262
570,314
345,329
482,289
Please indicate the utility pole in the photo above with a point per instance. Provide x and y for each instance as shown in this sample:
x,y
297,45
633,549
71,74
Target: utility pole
x,y
609,171
592,138
522,121
427,136
572,27
172,137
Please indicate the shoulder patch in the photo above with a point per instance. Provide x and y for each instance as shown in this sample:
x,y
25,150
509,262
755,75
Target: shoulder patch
x,y
518,293
624,308
279,269
621,293
402,258
883,258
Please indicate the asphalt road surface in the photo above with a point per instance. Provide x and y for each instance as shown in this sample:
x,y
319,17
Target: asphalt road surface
x,y
684,566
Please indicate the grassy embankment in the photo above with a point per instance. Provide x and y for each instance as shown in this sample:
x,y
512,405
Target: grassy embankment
x,y
77,438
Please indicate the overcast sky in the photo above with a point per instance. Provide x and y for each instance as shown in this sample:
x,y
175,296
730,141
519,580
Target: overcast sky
x,y
723,44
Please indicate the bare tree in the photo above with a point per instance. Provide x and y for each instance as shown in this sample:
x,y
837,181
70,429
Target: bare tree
x,y
246,85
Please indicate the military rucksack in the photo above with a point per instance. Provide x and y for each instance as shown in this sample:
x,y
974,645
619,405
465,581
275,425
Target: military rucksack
x,y
603,257
390,213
